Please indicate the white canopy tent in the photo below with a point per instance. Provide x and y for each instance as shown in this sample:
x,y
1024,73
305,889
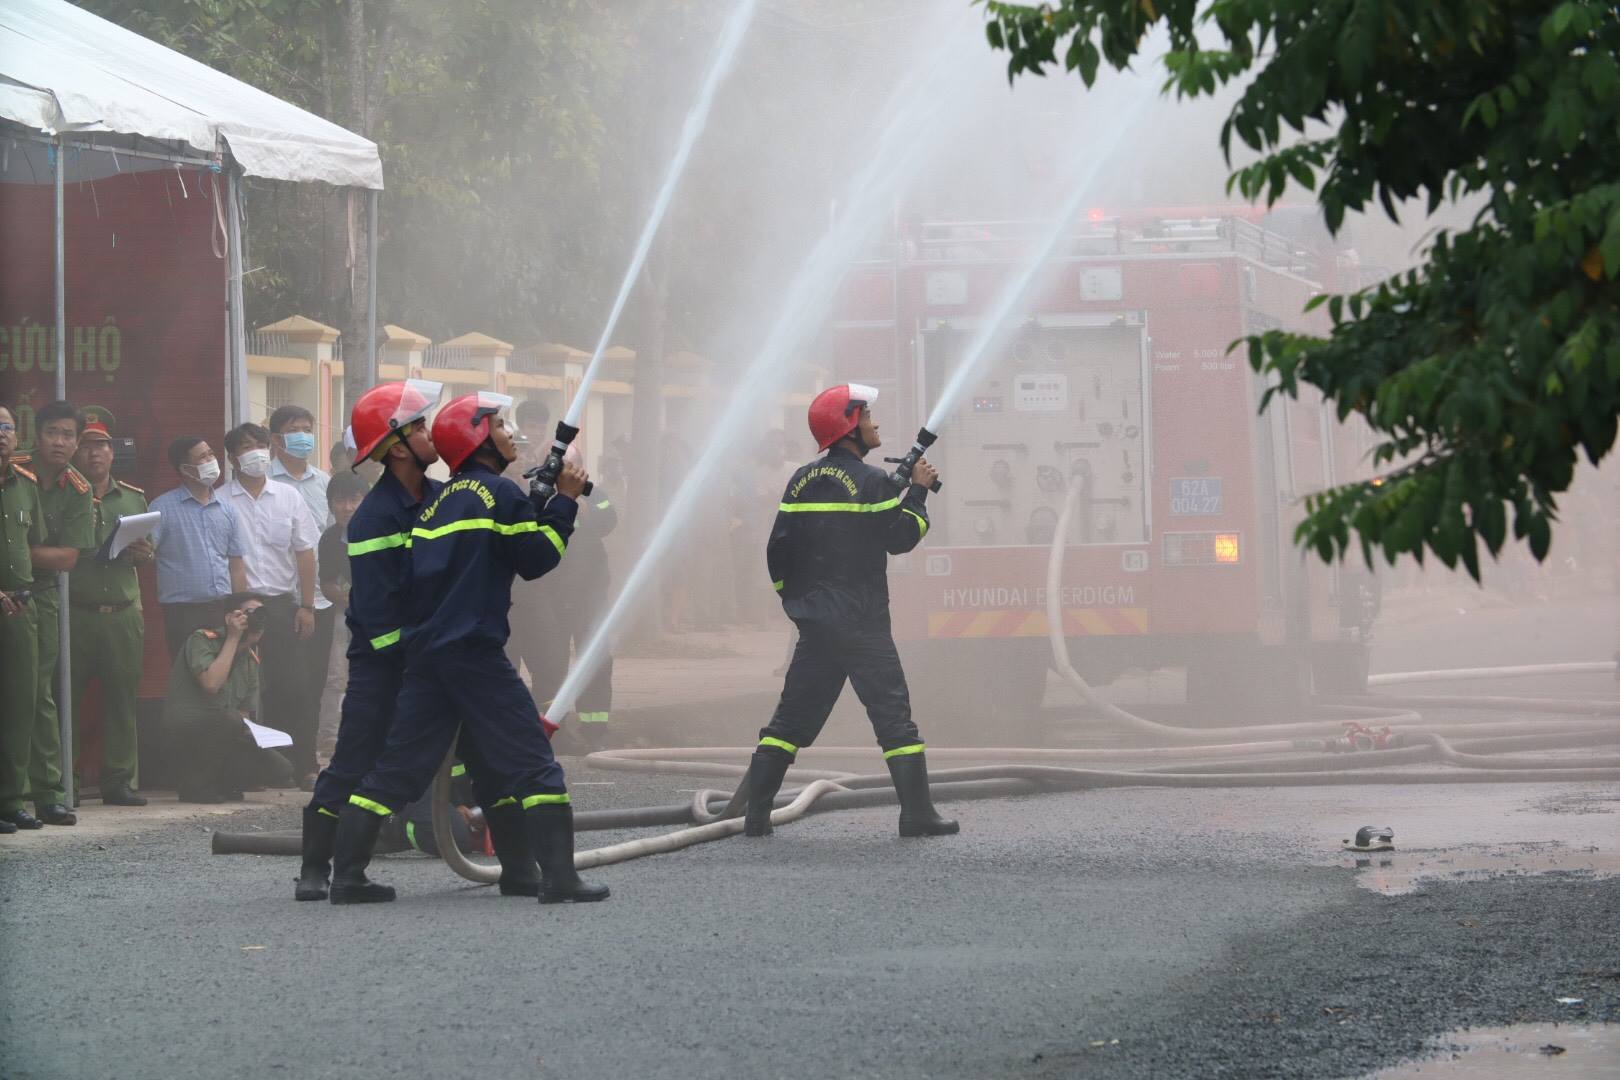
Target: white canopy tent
x,y
70,79
76,80
64,70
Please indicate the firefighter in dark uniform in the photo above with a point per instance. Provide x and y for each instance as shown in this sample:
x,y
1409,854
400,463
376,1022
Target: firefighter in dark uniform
x,y
390,426
839,520
109,635
475,535
412,829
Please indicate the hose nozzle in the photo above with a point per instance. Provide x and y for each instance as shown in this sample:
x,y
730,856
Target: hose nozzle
x,y
543,477
903,465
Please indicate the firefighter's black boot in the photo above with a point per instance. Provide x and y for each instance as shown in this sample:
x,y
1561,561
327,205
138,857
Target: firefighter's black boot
x,y
357,830
520,873
551,837
320,830
917,814
765,771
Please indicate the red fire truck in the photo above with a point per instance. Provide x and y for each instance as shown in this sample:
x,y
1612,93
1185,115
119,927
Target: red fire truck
x,y
1119,379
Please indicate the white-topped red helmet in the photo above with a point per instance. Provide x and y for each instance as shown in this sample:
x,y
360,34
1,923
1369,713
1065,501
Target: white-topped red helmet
x,y
836,411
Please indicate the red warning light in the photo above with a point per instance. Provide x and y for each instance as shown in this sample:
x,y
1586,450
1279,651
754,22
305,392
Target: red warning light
x,y
1094,214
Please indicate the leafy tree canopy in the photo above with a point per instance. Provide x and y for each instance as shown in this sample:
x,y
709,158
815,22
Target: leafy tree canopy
x,y
1487,369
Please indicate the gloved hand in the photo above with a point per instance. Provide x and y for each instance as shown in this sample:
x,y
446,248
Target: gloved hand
x,y
572,481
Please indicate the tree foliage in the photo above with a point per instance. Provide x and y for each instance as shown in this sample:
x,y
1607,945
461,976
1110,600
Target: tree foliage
x,y
1490,367
489,118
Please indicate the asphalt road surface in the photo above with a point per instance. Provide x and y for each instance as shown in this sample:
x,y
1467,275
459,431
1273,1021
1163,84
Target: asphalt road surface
x,y
1124,933
1214,933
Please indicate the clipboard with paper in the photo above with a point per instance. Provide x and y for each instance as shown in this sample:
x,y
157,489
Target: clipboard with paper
x,y
126,531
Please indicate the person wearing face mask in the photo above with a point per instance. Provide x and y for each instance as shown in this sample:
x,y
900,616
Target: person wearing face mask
x,y
280,536
292,446
198,544
292,442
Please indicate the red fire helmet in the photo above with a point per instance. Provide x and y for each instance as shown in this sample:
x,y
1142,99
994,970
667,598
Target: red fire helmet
x,y
836,411
385,409
463,424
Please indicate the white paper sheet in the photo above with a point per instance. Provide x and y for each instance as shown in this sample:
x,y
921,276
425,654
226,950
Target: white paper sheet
x,y
267,737
130,529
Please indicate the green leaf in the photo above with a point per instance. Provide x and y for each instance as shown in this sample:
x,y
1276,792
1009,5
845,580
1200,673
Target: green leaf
x,y
1609,247
1482,372
1540,536
1492,524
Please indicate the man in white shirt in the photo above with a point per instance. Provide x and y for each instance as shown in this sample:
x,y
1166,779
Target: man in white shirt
x,y
279,536
292,444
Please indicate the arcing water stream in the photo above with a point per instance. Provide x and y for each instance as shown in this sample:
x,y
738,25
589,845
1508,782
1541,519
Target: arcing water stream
x,y
917,119
1016,292
696,120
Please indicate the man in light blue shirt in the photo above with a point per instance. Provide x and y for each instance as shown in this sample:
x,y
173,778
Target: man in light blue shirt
x,y
199,546
292,442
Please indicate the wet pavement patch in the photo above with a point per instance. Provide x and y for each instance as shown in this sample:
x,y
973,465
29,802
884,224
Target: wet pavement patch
x,y
1561,1051
1396,873
1369,982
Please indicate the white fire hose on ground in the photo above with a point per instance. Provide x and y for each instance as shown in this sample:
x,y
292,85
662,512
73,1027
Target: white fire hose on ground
x,y
1264,755
1200,759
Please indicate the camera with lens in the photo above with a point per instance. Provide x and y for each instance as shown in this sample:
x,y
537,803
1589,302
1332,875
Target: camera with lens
x,y
255,619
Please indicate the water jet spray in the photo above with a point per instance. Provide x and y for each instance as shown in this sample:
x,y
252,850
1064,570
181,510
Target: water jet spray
x,y
1017,290
543,478
917,116
696,120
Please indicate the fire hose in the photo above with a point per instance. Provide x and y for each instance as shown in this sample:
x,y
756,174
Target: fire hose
x,y
1305,753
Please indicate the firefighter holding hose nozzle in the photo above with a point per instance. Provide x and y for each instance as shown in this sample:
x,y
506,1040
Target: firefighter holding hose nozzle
x,y
838,522
390,427
479,532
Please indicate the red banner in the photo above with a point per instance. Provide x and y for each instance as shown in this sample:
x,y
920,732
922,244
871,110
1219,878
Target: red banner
x,y
145,320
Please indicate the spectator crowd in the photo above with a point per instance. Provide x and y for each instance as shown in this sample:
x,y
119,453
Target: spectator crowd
x,y
248,563
249,611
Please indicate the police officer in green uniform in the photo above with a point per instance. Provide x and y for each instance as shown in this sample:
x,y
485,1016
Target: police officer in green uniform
x,y
64,496
104,596
213,685
22,526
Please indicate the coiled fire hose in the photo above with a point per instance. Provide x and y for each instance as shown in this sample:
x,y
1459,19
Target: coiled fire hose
x,y
1264,755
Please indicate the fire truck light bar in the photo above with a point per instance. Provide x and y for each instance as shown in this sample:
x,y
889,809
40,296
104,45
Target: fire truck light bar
x,y
1202,549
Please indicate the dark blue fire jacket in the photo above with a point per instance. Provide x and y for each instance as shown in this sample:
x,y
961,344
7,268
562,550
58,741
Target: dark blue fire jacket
x,y
839,521
469,541
379,538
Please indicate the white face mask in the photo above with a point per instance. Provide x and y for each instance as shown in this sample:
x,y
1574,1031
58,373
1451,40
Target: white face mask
x,y
207,472
254,462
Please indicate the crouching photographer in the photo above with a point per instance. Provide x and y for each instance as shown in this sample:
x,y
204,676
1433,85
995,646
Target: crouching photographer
x,y
213,687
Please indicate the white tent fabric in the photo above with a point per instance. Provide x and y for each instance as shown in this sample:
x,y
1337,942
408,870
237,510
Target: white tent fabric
x,y
63,69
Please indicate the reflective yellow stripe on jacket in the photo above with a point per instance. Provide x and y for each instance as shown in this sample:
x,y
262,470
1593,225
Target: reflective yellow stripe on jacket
x,y
379,543
514,529
839,508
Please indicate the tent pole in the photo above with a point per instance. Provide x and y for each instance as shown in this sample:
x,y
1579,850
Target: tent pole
x,y
64,639
236,324
371,287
